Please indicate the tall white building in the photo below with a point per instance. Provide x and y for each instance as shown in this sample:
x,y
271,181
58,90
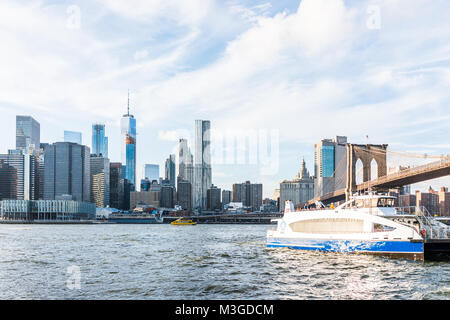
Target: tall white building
x,y
202,163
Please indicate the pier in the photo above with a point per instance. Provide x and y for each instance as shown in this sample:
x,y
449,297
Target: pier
x,y
244,218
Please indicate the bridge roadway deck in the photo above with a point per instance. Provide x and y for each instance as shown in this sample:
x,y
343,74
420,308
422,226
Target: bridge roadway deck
x,y
402,178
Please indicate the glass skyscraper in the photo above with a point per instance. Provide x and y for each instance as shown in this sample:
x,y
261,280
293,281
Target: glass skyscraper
x,y
330,165
72,136
99,140
128,145
28,133
202,167
151,172
67,171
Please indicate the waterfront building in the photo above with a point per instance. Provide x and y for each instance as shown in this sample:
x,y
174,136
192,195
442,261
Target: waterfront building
x,y
27,173
72,136
184,194
167,195
202,164
170,170
8,181
226,197
146,198
269,205
100,180
436,202
151,172
298,190
115,185
28,133
99,140
249,194
67,171
213,199
429,200
30,210
128,145
407,200
444,202
330,165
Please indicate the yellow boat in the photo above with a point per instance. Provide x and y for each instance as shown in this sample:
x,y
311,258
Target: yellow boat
x,y
183,222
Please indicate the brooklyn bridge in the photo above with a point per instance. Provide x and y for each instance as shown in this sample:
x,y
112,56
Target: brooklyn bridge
x,y
367,154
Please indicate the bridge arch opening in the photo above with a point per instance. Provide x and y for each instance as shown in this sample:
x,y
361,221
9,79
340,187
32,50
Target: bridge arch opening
x,y
359,172
373,170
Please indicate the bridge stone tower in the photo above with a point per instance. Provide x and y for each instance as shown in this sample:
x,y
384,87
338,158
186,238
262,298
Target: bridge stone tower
x,y
365,153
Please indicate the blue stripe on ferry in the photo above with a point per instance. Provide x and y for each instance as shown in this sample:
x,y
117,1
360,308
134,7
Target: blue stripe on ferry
x,y
348,245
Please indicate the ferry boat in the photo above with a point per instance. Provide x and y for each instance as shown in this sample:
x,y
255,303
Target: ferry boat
x,y
135,218
367,224
183,222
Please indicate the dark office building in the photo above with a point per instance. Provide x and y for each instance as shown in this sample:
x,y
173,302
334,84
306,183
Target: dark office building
x,y
226,197
250,194
115,185
213,202
128,187
167,196
67,171
184,194
8,181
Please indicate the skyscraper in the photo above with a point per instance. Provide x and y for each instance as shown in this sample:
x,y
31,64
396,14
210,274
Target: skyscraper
x,y
116,186
72,136
202,165
8,181
67,171
170,170
99,140
27,173
128,144
330,165
182,158
100,180
28,133
151,172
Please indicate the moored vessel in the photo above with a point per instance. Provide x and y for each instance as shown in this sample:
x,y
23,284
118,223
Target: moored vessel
x,y
369,224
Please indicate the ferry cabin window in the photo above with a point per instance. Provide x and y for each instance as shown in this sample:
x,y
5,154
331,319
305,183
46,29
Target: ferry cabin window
x,y
328,226
381,228
386,202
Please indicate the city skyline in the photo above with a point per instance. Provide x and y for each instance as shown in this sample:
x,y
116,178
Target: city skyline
x,y
399,97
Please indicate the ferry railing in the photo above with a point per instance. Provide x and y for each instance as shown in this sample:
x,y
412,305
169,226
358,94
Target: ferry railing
x,y
434,229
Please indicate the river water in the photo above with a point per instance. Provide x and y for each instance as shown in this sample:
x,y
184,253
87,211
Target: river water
x,y
196,262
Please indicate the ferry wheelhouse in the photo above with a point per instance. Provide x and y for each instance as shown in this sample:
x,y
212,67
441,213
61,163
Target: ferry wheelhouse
x,y
365,224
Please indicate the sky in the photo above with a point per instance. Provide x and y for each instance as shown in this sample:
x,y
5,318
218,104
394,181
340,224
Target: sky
x,y
281,75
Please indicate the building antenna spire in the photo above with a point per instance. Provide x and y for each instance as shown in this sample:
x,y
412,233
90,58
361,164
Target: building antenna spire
x,y
128,108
